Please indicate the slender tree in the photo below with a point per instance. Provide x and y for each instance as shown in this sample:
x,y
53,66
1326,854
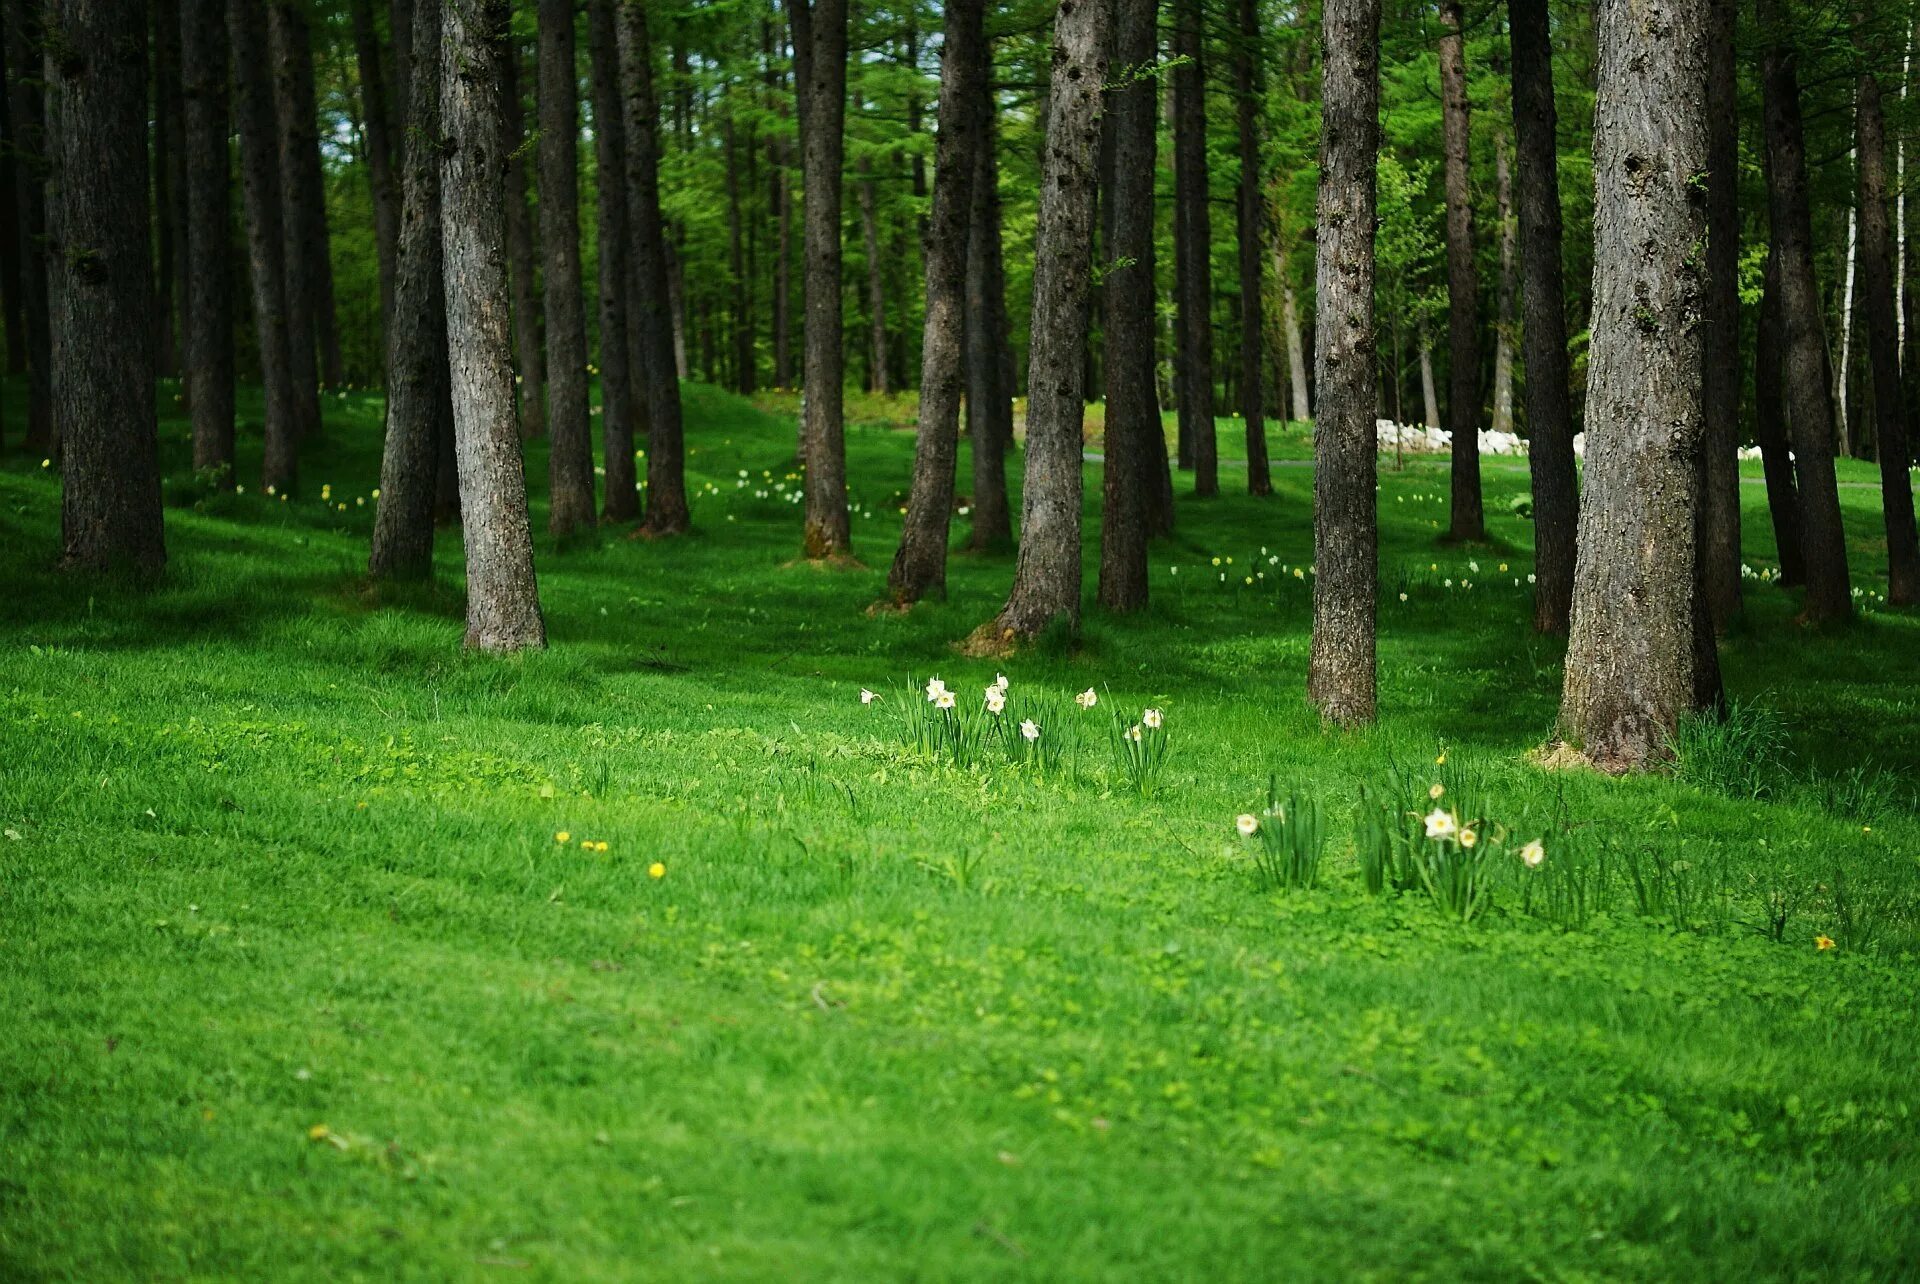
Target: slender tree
x,y
1296,355
29,146
10,282
1809,405
1340,678
920,565
1504,303
169,184
1193,249
377,112
209,248
1046,577
266,246
570,459
1631,669
1770,431
419,409
1720,390
503,599
313,343
820,63
1549,421
867,199
103,334
531,361
622,502
1249,215
1463,283
989,388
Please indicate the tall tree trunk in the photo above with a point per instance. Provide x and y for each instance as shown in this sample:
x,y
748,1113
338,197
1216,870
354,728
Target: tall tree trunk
x,y
737,276
266,244
1770,431
378,111
531,367
570,458
920,565
1549,420
989,389
652,318
103,407
780,202
610,162
1504,316
1193,247
1463,311
1720,391
1340,677
1250,212
30,150
1631,661
820,51
1883,343
503,599
169,183
1133,432
209,249
10,281
876,281
1429,392
1809,405
419,410
1046,577
313,340
1290,333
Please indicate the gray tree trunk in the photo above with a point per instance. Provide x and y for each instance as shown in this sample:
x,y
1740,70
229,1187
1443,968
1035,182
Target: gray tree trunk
x,y
1302,410
266,244
1631,670
622,502
1463,312
1504,316
1193,250
378,110
531,366
1720,391
313,341
1250,214
868,201
569,426
30,146
1429,391
503,600
208,279
989,389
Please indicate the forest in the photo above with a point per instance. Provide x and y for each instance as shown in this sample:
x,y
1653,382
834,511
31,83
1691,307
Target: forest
x,y
1085,639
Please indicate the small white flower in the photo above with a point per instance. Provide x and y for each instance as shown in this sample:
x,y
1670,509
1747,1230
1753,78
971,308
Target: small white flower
x,y
944,700
1086,699
1403,597
867,697
1000,681
1030,730
1151,718
1133,733
1533,854
1441,824
996,700
1246,823
1435,792
935,689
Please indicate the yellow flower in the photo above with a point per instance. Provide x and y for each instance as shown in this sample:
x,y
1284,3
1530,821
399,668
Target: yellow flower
x,y
1533,854
1441,761
1823,942
318,1132
1468,838
656,870
563,837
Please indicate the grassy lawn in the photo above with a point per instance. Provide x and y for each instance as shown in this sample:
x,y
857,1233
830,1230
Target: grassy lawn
x,y
299,983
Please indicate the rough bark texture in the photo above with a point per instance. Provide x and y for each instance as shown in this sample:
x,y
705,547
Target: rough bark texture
x,y
1504,307
1430,407
1808,385
920,566
313,342
1046,578
169,185
652,317
1631,663
989,390
1883,344
1192,252
103,407
1340,678
820,51
266,244
208,279
531,367
1133,431
503,601
419,412
1468,522
569,426
1249,215
378,112
1296,354
29,143
1770,431
1549,420
622,503
1720,389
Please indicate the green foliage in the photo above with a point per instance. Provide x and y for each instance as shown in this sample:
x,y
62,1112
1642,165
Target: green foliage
x,y
1287,841
1739,751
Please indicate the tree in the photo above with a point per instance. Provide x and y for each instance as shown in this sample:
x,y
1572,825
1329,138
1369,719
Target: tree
x,y
29,145
622,502
419,409
1544,332
503,599
1249,214
1503,312
1193,251
531,356
1046,577
1340,679
1463,319
1133,432
169,183
1720,389
1631,670
377,112
209,248
266,245
303,212
570,459
1809,406
989,362
920,565
103,333
1770,431
820,64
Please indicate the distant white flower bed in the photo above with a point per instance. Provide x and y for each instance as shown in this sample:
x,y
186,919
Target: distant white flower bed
x,y
1418,439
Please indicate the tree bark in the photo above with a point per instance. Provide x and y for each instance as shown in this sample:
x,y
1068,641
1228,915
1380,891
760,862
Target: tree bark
x,y
10,282
103,409
1770,431
1046,578
1250,213
419,412
503,600
1296,356
381,160
1809,404
1133,431
169,184
313,337
1463,314
820,50
569,427
1720,501
989,389
1631,670
1193,249
652,318
1504,314
1429,393
30,147
266,243
867,199
1549,421
617,400
209,249
531,367
1340,678
920,565
738,284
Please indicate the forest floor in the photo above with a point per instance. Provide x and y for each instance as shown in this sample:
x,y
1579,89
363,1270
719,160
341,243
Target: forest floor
x,y
328,951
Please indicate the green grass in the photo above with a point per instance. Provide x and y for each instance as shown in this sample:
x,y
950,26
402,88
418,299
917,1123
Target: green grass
x,y
299,984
